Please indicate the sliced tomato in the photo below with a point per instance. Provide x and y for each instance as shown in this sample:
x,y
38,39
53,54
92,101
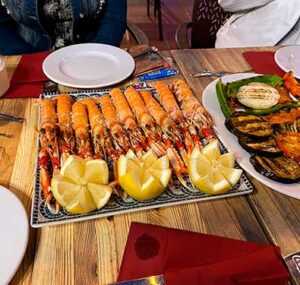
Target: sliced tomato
x,y
289,142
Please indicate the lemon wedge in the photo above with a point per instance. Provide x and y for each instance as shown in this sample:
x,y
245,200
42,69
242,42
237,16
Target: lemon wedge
x,y
161,163
81,186
145,178
149,158
212,172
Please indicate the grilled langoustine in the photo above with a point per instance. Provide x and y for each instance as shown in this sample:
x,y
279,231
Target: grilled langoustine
x,y
192,109
127,118
169,103
66,134
119,137
170,133
49,151
81,129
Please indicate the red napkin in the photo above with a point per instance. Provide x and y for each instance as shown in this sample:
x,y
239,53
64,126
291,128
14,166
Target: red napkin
x,y
263,62
191,258
28,79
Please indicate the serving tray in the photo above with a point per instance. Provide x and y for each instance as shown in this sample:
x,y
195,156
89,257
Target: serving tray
x,y
174,195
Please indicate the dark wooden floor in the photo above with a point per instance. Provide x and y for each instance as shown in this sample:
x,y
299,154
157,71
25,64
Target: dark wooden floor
x,y
174,12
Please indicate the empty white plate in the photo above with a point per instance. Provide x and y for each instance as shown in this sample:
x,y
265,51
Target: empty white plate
x,y
14,233
288,59
88,65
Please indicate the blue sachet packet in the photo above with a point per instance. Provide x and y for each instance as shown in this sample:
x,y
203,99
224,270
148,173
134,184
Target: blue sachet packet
x,y
158,74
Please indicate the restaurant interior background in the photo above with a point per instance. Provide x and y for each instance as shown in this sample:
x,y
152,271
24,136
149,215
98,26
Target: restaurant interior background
x,y
174,12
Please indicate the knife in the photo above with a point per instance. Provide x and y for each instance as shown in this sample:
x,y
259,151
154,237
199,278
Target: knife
x,y
150,280
11,118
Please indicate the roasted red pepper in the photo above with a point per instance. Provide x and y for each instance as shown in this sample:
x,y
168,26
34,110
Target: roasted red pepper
x,y
291,83
289,142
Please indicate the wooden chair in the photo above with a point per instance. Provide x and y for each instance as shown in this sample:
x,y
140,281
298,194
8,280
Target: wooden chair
x,y
207,18
138,34
157,10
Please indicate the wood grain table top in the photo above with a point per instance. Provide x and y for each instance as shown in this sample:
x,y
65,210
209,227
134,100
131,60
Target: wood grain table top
x,y
90,252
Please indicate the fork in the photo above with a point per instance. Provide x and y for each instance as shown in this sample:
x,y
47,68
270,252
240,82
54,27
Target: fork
x,y
9,136
11,118
207,73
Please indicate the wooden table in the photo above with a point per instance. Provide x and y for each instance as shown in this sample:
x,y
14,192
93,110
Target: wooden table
x,y
90,252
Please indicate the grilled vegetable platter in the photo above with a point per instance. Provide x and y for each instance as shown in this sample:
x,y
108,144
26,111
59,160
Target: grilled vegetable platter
x,y
263,112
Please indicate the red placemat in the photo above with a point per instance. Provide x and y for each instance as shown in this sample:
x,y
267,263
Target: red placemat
x,y
28,78
263,62
191,258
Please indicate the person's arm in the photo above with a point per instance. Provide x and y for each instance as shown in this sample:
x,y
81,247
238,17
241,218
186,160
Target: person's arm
x,y
113,23
241,5
10,41
4,17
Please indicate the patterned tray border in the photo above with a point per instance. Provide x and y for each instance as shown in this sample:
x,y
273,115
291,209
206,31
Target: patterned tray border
x,y
174,195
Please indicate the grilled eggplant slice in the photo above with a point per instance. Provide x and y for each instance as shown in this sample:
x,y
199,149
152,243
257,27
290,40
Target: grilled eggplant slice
x,y
266,148
282,169
249,125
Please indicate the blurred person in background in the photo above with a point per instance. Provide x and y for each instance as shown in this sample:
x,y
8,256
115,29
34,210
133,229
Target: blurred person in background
x,y
260,23
28,26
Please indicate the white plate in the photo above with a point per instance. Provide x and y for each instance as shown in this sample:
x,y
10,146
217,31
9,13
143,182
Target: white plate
x,y
88,65
211,103
13,234
288,59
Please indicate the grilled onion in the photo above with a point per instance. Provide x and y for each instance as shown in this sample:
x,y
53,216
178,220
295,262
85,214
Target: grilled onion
x,y
258,95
